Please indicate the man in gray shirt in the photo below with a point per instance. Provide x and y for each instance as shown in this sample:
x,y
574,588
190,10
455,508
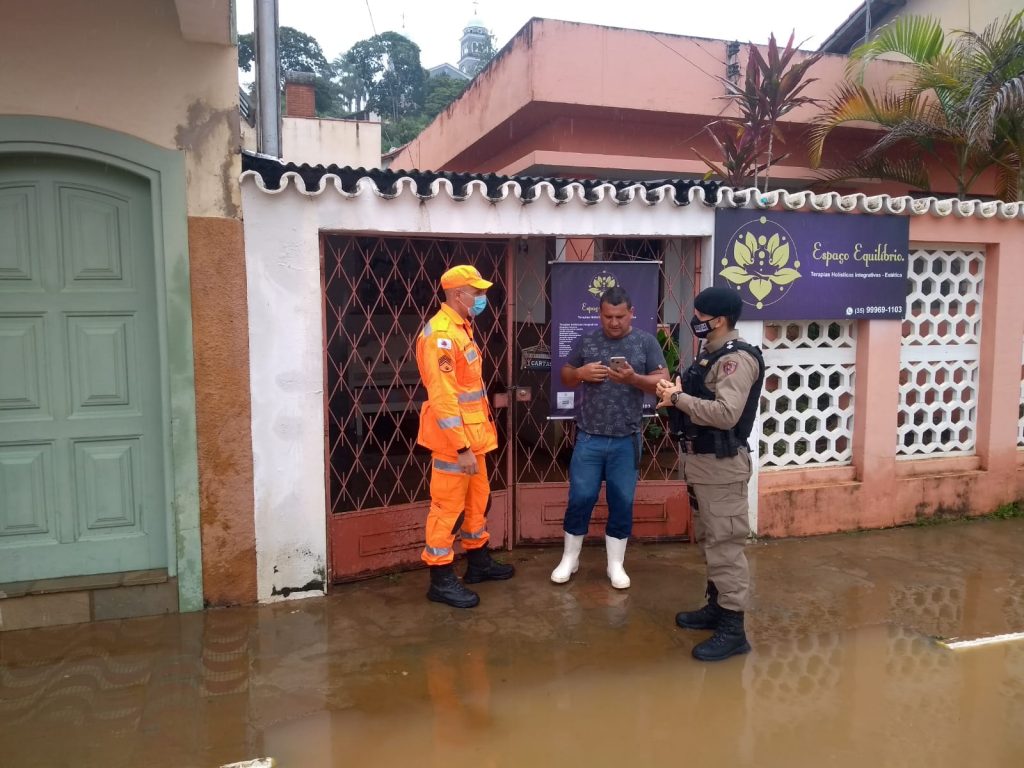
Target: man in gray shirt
x,y
615,366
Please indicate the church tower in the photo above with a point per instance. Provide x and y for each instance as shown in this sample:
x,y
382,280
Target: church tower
x,y
476,41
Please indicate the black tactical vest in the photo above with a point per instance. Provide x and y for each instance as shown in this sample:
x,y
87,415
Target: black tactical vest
x,y
721,442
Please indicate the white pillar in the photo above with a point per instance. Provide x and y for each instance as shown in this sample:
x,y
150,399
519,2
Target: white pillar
x,y
752,331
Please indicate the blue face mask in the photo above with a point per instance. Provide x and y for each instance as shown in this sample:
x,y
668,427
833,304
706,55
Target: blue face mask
x,y
479,305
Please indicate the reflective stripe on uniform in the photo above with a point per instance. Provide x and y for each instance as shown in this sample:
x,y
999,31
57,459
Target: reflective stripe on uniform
x,y
450,423
473,534
438,551
471,397
447,466
427,330
471,355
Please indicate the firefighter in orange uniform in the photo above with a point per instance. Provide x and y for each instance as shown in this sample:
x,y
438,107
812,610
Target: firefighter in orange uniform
x,y
456,425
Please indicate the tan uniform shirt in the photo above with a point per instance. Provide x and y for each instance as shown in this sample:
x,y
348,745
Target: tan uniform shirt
x,y
730,378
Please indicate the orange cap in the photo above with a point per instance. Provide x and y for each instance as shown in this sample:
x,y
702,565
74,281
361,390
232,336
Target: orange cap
x,y
463,275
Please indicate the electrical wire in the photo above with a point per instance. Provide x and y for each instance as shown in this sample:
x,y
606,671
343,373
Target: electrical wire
x,y
369,10
693,64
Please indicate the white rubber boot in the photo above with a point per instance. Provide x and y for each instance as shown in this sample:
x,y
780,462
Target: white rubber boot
x,y
616,554
570,559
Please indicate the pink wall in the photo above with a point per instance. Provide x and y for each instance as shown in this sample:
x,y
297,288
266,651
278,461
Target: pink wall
x,y
883,491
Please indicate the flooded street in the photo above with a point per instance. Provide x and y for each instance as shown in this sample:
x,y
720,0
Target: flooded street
x,y
844,671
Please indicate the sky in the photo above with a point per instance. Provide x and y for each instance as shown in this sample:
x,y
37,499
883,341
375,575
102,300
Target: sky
x,y
436,25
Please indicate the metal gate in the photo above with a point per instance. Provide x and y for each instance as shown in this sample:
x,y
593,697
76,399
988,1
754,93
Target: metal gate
x,y
378,292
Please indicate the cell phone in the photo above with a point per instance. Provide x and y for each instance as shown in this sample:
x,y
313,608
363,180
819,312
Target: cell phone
x,y
617,363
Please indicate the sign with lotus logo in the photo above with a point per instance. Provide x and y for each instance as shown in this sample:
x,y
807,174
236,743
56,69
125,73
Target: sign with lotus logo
x,y
576,289
813,266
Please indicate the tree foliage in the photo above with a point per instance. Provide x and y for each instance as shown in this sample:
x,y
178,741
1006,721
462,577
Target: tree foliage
x,y
396,133
383,74
771,88
441,91
961,106
297,52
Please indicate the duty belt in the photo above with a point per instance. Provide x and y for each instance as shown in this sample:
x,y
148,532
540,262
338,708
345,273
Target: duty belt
x,y
720,442
701,443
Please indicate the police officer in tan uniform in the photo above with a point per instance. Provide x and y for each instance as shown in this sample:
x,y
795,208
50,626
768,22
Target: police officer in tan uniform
x,y
714,404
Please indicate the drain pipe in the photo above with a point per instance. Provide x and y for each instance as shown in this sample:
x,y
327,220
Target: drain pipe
x,y
268,79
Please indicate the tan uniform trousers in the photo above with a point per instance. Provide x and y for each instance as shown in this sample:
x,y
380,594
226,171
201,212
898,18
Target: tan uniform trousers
x,y
718,500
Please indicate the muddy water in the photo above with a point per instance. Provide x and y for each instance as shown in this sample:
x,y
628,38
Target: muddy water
x,y
878,697
843,672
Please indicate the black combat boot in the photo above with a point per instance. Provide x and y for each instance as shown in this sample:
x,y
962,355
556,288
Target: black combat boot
x,y
483,568
728,640
445,587
705,618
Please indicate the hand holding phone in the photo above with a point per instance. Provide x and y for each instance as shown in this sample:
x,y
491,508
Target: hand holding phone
x,y
617,363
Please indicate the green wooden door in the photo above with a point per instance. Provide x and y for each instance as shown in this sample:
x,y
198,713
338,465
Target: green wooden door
x,y
81,432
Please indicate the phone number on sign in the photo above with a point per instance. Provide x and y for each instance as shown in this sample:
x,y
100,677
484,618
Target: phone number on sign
x,y
876,310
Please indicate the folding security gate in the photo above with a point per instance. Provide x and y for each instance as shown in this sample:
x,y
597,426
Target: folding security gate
x,y
378,292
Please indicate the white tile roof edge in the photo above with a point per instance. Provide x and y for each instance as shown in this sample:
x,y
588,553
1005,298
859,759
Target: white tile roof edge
x,y
728,197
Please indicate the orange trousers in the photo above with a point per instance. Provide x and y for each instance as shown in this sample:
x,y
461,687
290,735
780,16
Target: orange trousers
x,y
458,504
460,691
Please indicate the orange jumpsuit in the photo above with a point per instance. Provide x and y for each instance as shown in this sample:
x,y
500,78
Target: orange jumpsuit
x,y
455,416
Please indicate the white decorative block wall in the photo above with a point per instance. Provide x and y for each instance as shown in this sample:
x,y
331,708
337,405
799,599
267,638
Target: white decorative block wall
x,y
807,401
940,353
1020,413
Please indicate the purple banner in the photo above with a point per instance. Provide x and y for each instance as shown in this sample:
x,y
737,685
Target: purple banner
x,y
576,288
813,266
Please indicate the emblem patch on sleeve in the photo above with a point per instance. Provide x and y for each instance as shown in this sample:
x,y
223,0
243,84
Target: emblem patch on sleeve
x,y
445,363
729,367
444,343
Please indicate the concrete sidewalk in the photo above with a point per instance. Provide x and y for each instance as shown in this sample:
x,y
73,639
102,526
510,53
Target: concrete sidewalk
x,y
843,673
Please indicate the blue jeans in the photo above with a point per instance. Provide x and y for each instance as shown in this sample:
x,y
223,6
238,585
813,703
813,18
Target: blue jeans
x,y
615,460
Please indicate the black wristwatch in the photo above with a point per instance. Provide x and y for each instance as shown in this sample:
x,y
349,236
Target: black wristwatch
x,y
462,450
675,396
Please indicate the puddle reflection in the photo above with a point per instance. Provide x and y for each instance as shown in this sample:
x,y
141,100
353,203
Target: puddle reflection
x,y
843,673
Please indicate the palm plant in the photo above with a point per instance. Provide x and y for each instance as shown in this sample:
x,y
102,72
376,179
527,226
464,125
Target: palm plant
x,y
958,105
994,63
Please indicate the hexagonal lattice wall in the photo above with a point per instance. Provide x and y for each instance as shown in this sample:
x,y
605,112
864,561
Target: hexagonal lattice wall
x,y
1020,414
939,357
807,400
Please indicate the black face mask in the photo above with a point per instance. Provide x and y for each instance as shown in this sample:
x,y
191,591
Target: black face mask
x,y
701,328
